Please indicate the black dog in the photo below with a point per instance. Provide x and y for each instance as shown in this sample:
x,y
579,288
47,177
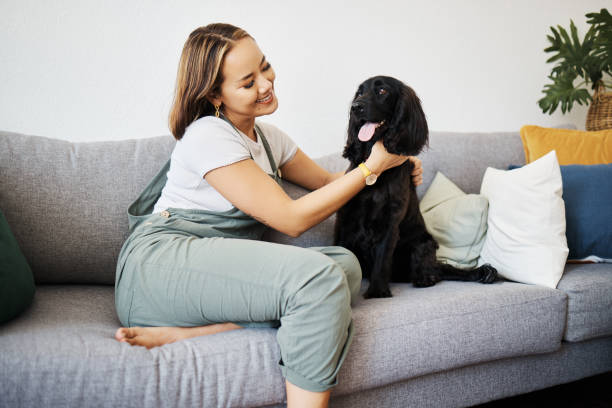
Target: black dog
x,y
382,225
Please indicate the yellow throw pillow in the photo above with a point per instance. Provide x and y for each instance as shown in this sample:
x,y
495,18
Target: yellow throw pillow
x,y
572,146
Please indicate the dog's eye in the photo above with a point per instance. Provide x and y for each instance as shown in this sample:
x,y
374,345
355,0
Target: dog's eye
x,y
382,91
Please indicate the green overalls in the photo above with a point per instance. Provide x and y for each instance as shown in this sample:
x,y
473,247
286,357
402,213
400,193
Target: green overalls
x,y
184,267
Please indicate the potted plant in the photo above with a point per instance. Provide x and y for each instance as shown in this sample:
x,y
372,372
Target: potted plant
x,y
588,62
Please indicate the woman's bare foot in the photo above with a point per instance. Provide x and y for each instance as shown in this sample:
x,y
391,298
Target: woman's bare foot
x,y
150,337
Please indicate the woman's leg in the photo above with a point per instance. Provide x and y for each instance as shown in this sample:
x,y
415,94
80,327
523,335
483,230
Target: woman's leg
x,y
349,264
183,281
300,398
150,337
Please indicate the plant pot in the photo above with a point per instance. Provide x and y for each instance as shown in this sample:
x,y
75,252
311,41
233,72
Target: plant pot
x,y
599,115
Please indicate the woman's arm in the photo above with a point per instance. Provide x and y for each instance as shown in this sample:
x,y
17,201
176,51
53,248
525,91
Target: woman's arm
x,y
305,172
250,189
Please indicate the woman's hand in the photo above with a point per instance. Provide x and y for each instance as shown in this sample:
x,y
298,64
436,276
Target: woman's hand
x,y
380,159
417,172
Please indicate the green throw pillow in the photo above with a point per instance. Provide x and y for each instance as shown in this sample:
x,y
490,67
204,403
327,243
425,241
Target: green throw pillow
x,y
457,221
16,279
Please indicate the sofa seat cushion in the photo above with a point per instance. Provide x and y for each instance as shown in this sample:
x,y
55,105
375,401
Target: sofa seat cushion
x,y
589,305
63,346
452,324
62,351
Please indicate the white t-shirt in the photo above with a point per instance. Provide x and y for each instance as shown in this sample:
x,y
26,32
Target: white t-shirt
x,y
209,143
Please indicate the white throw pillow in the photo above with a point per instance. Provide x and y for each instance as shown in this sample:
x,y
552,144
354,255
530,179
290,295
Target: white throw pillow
x,y
526,224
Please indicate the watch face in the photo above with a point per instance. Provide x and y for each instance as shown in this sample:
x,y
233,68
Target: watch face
x,y
371,179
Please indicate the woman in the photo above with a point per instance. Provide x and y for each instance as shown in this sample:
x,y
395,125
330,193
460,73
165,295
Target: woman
x,y
194,263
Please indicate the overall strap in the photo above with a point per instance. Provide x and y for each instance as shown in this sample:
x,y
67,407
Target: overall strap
x,y
277,172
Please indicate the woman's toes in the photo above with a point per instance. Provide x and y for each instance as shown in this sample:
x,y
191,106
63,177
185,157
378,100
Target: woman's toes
x,y
120,334
124,333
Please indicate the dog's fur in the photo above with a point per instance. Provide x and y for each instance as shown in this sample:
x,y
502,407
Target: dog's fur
x,y
382,224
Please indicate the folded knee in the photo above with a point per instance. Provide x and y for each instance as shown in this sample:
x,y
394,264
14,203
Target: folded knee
x,y
328,285
349,262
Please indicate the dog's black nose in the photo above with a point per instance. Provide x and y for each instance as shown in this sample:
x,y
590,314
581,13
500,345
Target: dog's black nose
x,y
357,107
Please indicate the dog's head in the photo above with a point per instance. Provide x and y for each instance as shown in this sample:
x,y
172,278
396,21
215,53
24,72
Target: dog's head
x,y
385,108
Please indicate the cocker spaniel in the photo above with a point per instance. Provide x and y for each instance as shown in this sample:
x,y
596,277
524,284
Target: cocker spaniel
x,y
382,225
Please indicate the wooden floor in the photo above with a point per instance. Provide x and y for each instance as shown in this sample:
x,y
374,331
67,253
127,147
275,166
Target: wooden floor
x,y
592,392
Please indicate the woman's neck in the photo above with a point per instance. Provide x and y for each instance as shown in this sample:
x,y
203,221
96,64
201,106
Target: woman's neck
x,y
245,124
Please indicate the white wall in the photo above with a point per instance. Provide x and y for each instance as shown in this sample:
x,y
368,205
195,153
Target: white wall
x,y
105,70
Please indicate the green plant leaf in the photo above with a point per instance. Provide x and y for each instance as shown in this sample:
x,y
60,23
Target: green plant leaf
x,y
574,54
562,91
602,23
588,59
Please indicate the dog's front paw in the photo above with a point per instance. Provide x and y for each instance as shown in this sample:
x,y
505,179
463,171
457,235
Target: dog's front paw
x,y
424,281
488,274
377,292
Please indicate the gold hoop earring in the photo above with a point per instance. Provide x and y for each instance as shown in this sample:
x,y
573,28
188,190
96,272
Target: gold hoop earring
x,y
217,110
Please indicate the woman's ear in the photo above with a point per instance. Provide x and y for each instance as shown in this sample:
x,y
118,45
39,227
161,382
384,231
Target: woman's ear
x,y
214,99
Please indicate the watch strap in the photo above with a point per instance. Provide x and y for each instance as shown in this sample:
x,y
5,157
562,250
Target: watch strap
x,y
364,169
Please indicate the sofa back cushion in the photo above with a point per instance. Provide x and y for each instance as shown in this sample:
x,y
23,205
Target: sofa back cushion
x,y
66,202
464,157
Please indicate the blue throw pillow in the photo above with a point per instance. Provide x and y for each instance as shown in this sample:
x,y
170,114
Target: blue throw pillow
x,y
587,193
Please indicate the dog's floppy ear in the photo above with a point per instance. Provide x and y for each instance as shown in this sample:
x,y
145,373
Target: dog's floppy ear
x,y
354,149
409,125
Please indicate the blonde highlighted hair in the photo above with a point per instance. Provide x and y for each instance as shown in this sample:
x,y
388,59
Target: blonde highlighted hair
x,y
200,73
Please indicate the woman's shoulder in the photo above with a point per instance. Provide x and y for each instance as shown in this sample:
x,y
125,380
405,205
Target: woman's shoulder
x,y
208,123
210,128
209,142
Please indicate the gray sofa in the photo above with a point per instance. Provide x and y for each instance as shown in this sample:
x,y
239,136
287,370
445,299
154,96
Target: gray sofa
x,y
451,345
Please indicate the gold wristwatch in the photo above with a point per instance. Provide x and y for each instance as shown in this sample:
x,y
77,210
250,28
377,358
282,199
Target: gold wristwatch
x,y
370,178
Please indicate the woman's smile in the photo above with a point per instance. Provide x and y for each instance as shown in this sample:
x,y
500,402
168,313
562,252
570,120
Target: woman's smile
x,y
266,99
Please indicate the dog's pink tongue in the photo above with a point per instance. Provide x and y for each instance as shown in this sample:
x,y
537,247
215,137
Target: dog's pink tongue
x,y
367,131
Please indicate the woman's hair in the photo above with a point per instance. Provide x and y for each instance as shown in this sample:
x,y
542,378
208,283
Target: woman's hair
x,y
200,73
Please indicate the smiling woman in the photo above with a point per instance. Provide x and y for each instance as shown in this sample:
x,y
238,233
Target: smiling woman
x,y
194,262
